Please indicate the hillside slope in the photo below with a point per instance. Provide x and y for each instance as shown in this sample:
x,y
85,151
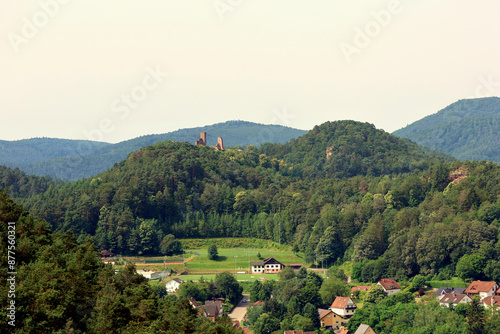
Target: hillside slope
x,y
349,148
78,160
467,130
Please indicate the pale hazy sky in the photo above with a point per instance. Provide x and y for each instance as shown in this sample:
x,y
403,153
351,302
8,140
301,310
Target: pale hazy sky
x,y
97,69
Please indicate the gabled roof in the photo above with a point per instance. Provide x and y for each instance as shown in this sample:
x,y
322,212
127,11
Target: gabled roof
x,y
452,298
194,302
213,308
258,303
344,331
479,286
269,260
360,288
362,329
444,290
491,300
341,302
389,284
323,313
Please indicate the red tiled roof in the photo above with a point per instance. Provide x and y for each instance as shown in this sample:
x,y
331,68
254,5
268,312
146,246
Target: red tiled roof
x,y
259,303
360,288
323,313
194,302
479,286
453,298
340,302
491,300
389,284
344,331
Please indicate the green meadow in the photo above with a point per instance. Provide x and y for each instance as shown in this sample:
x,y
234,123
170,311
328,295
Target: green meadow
x,y
234,259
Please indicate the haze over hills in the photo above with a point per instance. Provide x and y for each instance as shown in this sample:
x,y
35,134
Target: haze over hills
x,y
73,159
468,129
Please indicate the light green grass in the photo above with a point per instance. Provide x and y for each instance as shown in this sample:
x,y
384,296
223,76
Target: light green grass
x,y
229,258
454,282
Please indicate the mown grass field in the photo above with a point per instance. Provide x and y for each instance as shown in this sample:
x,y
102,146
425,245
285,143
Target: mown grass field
x,y
235,259
230,258
454,282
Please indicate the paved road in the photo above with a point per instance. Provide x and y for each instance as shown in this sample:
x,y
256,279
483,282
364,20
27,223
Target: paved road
x,y
240,310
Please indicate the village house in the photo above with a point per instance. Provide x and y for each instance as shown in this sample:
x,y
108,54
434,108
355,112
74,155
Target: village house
x,y
481,288
389,285
194,303
344,331
364,329
173,285
343,306
360,288
454,299
213,309
329,319
444,290
267,266
491,302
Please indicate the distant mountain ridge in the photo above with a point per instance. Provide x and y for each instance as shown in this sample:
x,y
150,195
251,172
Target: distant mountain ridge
x,y
75,159
468,129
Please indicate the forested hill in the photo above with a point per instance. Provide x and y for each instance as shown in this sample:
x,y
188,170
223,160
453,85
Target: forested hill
x,y
72,160
61,286
467,129
21,185
354,148
40,149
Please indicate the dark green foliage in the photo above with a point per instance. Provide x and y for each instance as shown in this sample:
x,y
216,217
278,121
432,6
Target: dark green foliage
x,y
467,129
74,159
63,287
170,246
331,288
228,287
475,317
212,252
265,324
356,149
21,185
408,318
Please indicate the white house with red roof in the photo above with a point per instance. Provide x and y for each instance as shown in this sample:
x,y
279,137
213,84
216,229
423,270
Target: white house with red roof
x,y
389,285
481,288
491,302
343,306
454,299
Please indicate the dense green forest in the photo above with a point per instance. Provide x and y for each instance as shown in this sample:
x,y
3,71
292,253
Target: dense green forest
x,y
74,159
391,207
467,130
62,287
21,185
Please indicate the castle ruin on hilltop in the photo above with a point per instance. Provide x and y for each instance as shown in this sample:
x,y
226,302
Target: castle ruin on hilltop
x,y
203,142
